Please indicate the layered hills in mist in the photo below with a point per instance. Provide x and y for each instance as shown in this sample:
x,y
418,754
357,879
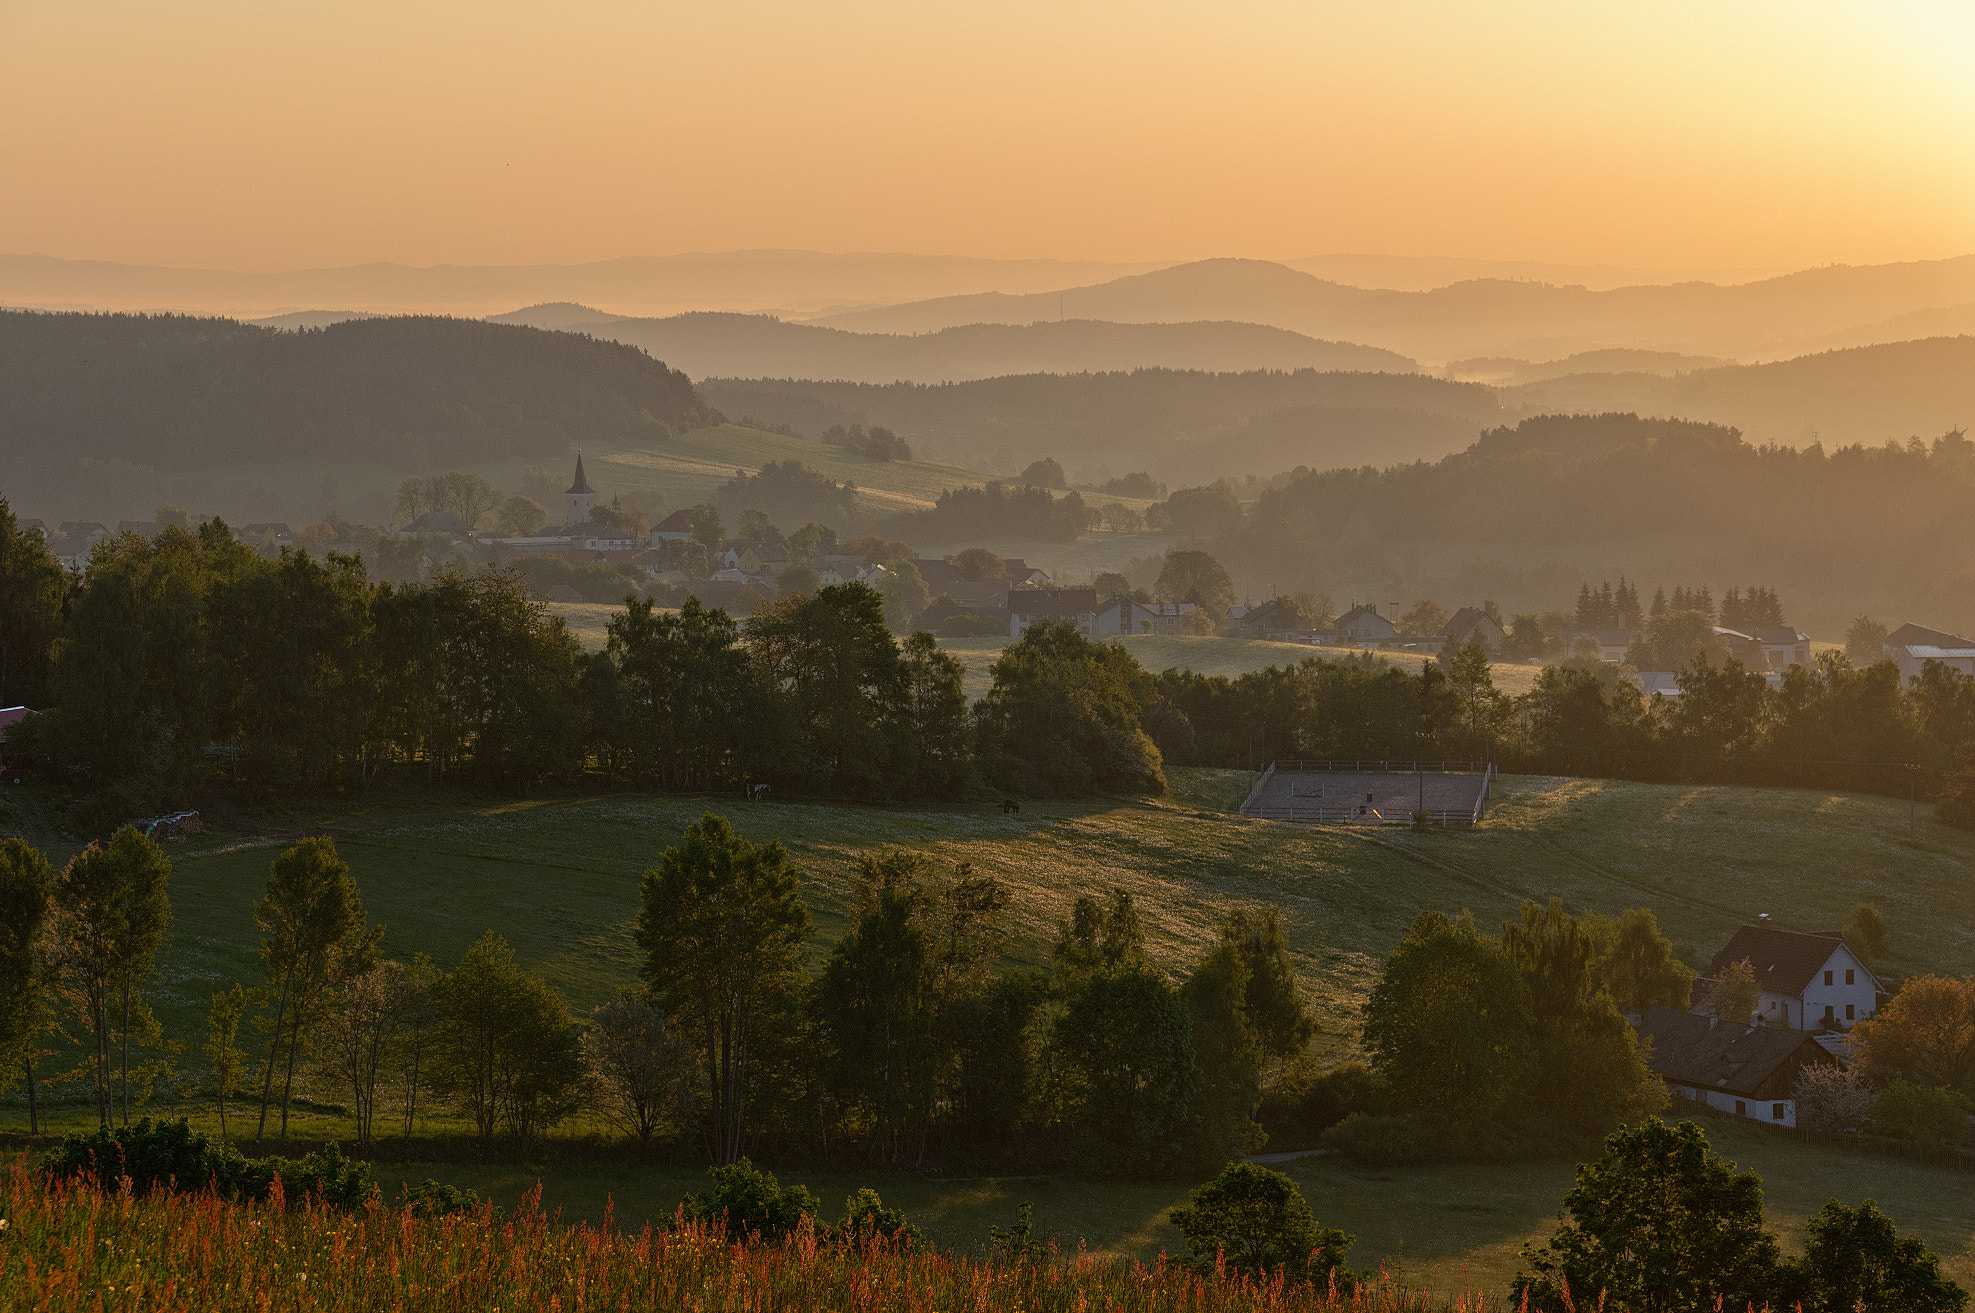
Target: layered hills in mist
x,y
705,344
1797,312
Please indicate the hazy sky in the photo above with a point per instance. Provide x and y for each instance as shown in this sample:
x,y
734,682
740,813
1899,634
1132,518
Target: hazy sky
x,y
264,134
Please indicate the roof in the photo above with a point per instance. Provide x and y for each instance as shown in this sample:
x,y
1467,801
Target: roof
x,y
12,716
1909,633
1689,1049
1609,637
1467,620
1774,635
582,485
978,592
1664,682
1784,961
843,565
1053,601
1929,652
680,521
441,522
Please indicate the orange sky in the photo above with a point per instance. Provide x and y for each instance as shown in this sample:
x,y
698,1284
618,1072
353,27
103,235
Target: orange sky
x,y
265,134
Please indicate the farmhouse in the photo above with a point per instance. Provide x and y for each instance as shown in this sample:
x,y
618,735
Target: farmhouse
x,y
674,528
1913,646
1473,625
1121,615
1363,625
1810,980
1750,1071
1029,606
1605,644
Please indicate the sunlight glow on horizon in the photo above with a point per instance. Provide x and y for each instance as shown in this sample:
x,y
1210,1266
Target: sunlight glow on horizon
x,y
242,134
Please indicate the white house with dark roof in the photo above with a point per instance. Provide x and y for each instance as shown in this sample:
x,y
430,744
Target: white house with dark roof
x,y
1472,624
674,528
1029,606
1809,979
1913,646
1749,1071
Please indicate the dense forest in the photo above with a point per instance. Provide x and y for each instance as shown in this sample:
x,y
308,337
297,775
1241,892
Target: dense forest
x,y
1846,530
182,394
1144,410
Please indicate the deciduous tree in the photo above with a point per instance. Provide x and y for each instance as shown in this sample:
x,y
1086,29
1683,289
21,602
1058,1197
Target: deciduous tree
x,y
722,926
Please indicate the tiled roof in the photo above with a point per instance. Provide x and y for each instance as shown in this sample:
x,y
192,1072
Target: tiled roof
x,y
1052,601
1688,1049
1910,633
1784,961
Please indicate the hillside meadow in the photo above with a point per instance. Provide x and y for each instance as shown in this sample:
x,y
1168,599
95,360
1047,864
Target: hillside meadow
x,y
557,876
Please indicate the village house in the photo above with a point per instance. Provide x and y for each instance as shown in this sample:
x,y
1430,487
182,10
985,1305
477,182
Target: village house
x,y
834,569
1605,644
1473,625
1809,980
71,553
1749,1071
1912,646
1363,626
1121,615
89,529
1017,571
751,556
1029,606
271,532
674,528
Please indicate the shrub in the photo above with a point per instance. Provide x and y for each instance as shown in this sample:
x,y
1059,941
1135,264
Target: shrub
x,y
1832,1099
865,1219
1303,1102
1856,1261
749,1203
431,1198
170,1156
1257,1223
1927,1113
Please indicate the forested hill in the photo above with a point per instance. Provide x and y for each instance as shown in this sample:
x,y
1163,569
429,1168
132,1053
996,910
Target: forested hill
x,y
1148,417
1839,530
183,394
761,346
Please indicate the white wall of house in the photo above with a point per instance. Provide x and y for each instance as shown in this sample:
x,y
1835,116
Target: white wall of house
x,y
1777,1112
1851,996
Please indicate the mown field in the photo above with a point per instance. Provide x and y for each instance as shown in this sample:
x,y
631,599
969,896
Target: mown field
x,y
557,875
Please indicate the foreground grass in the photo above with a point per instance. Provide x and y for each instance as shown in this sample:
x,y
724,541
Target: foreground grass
x,y
73,1248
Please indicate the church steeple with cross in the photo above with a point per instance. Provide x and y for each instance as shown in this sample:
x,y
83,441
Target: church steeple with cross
x,y
576,503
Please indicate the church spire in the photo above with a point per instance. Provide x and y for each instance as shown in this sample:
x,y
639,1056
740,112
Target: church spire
x,y
581,485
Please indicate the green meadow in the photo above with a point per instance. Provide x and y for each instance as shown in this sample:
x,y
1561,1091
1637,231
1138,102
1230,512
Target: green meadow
x,y
557,875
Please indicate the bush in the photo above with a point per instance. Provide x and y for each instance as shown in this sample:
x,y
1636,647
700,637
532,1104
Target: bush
x,y
865,1219
1927,1113
1832,1099
431,1198
1303,1102
170,1156
1856,1261
750,1203
1256,1223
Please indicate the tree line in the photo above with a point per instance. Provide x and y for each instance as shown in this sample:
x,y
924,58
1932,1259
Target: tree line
x,y
907,1046
1830,725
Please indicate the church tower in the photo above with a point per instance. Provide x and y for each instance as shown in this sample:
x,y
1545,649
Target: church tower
x,y
576,503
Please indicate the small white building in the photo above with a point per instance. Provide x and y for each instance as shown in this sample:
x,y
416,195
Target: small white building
x,y
1810,980
674,528
1030,606
1121,615
1913,646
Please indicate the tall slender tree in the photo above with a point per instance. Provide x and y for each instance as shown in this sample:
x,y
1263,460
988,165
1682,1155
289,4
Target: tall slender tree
x,y
312,936
26,893
722,927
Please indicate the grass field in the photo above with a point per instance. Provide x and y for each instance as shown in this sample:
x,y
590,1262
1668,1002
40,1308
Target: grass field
x,y
558,877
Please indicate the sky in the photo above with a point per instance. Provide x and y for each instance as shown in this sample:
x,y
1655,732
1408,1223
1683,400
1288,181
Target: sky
x,y
281,134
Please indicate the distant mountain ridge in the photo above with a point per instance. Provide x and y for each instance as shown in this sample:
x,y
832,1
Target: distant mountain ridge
x,y
788,281
758,346
1478,317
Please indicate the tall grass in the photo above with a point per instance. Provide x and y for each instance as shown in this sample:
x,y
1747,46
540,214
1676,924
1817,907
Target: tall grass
x,y
73,1247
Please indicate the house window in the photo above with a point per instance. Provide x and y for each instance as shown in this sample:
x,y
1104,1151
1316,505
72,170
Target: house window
x,y
1851,1011
1741,1108
1848,978
1776,1112
1827,978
